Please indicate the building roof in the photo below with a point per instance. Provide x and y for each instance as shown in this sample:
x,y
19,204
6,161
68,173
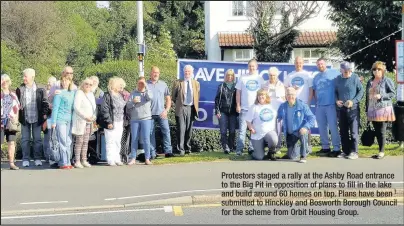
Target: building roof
x,y
305,39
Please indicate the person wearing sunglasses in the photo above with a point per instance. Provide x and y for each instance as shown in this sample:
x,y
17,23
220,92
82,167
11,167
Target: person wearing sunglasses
x,y
380,91
83,117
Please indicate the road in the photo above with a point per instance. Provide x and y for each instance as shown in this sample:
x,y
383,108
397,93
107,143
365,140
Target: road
x,y
39,188
209,215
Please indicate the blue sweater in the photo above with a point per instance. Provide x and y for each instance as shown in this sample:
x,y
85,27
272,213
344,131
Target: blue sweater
x,y
62,110
323,85
302,117
349,88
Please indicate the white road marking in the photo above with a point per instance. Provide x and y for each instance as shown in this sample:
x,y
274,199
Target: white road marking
x,y
216,189
168,209
33,203
169,193
82,213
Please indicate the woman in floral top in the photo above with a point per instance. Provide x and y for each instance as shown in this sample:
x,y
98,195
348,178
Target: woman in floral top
x,y
9,111
380,91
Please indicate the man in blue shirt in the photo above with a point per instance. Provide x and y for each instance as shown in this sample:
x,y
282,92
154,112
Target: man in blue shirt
x,y
297,120
161,94
326,115
348,92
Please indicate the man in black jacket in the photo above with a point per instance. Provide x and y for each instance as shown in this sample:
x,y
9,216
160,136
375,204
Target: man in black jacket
x,y
32,114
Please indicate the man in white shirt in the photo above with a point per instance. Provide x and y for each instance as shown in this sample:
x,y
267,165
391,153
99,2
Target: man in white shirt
x,y
302,81
247,87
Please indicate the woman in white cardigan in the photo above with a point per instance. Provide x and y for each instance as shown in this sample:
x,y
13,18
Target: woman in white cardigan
x,y
84,116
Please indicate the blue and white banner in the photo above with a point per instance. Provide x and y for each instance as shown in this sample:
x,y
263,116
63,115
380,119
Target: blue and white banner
x,y
210,74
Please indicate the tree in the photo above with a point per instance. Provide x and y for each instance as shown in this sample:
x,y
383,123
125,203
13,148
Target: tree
x,y
362,23
273,37
37,32
185,21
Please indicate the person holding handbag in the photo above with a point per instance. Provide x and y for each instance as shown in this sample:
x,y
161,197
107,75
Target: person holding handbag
x,y
380,91
225,110
84,115
9,117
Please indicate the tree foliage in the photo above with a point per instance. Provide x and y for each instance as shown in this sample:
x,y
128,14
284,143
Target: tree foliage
x,y
185,22
274,34
361,23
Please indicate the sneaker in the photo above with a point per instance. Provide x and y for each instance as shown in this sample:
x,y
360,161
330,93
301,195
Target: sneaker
x,y
352,156
380,155
86,164
119,163
169,155
302,160
342,155
78,165
111,164
38,162
147,162
25,163
334,154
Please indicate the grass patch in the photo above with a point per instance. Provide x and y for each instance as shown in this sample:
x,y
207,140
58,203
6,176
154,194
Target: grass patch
x,y
364,152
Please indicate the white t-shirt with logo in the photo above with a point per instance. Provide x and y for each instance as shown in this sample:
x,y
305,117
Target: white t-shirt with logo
x,y
304,81
249,85
263,118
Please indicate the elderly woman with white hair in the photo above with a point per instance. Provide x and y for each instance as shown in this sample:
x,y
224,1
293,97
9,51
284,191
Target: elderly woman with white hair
x,y
111,118
83,117
98,93
9,111
276,91
185,95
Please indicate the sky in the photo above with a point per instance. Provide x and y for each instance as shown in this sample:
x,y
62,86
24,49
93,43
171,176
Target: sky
x,y
102,3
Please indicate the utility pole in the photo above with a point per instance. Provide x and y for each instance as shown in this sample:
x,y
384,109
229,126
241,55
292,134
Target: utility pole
x,y
140,38
401,86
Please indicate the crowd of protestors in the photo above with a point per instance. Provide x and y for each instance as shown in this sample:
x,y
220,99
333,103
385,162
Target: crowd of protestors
x,y
270,110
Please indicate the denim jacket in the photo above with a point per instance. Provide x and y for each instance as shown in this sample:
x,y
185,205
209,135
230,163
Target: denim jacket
x,y
387,92
302,117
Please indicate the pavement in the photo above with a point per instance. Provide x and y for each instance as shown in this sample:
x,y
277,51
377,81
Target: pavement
x,y
212,215
40,189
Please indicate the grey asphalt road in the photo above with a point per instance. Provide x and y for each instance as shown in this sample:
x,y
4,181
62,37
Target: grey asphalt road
x,y
39,188
213,215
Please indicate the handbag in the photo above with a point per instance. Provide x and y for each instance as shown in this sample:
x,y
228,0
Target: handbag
x,y
13,125
368,136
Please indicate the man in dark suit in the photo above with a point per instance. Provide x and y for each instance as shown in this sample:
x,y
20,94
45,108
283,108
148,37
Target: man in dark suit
x,y
185,95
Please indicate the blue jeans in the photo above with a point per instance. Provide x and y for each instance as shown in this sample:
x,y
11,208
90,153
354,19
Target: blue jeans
x,y
227,122
46,144
165,130
326,117
64,137
242,133
291,143
143,127
26,137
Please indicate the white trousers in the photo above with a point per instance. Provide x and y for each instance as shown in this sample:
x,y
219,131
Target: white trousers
x,y
113,139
